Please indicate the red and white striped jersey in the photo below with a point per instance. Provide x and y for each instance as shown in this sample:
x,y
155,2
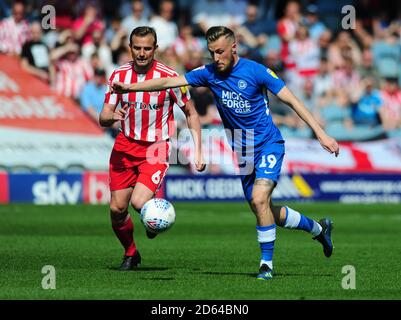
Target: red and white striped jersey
x,y
150,115
306,56
71,77
13,35
392,104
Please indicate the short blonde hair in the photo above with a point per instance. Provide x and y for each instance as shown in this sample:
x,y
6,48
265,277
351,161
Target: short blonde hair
x,y
215,33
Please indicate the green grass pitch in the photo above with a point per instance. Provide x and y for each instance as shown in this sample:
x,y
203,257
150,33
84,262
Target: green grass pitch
x,y
210,253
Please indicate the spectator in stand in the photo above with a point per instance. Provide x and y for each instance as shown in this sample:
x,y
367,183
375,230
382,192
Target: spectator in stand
x,y
94,61
119,44
123,57
367,68
308,95
197,59
187,46
335,114
137,17
368,110
237,11
347,79
305,53
14,30
115,25
125,9
286,29
366,11
384,26
290,123
100,47
391,95
208,13
273,61
171,59
92,98
165,27
372,22
315,26
71,71
253,33
324,84
344,47
324,43
258,27
35,54
84,26
387,55
358,121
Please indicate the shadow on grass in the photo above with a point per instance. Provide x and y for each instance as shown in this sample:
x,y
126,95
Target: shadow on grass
x,y
140,269
230,273
278,274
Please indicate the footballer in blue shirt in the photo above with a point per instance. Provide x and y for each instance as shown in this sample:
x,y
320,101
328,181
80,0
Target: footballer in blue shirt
x,y
240,89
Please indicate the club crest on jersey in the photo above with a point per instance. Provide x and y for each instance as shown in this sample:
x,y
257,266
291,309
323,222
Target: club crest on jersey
x,y
242,84
271,72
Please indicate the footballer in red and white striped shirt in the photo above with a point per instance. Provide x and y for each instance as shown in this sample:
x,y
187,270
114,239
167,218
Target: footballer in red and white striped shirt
x,y
149,115
139,159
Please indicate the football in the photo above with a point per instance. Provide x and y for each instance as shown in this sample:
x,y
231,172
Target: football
x,y
158,215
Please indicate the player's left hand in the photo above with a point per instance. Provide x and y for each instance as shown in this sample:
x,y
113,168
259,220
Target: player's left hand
x,y
119,87
329,144
200,163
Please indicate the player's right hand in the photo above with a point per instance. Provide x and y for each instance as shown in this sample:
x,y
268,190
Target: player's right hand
x,y
329,144
118,87
200,163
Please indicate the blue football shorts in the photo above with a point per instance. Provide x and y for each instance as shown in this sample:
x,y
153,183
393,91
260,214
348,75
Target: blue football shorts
x,y
267,164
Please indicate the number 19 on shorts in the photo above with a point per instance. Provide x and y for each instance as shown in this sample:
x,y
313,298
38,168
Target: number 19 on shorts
x,y
268,161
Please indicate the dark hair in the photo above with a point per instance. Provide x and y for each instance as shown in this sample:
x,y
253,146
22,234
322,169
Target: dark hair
x,y
99,72
19,2
214,33
143,31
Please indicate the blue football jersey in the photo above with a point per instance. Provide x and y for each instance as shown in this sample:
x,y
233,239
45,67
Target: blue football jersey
x,y
242,101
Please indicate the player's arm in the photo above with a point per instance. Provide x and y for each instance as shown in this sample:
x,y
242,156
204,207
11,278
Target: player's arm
x,y
325,140
108,116
195,127
149,85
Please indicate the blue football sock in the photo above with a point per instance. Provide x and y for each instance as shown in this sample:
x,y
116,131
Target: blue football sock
x,y
296,220
266,238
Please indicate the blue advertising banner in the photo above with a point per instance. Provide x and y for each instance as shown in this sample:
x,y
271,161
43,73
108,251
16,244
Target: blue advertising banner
x,y
46,188
346,188
203,187
354,188
93,188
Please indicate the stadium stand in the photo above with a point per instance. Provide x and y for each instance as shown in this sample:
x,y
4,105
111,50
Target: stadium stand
x,y
350,79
